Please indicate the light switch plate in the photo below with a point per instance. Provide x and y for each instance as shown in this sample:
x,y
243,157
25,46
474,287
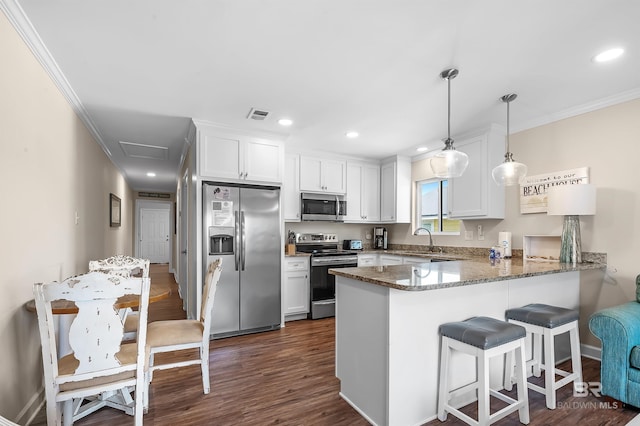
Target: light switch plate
x,y
480,233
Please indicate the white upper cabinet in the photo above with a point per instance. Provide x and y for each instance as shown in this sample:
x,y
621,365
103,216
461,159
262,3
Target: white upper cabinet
x,y
475,195
240,158
363,192
395,190
323,175
263,160
291,188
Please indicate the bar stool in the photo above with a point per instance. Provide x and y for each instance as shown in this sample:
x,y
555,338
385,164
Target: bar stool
x,y
543,323
483,338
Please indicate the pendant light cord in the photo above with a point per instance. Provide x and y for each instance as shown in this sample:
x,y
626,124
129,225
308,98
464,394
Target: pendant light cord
x,y
507,99
448,75
449,108
508,105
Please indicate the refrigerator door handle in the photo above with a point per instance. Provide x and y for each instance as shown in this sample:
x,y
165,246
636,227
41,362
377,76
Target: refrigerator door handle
x,y
244,239
236,254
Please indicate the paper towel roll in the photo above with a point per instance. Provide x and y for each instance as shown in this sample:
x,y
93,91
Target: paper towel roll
x,y
504,240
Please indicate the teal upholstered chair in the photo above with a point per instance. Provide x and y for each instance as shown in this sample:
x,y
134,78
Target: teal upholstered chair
x,y
618,329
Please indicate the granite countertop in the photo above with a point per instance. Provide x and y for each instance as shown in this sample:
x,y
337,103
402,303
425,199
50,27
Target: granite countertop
x,y
472,270
426,255
423,254
298,254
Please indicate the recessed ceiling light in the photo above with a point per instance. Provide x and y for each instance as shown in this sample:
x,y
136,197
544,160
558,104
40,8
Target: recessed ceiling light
x,y
422,148
151,174
351,135
608,55
285,122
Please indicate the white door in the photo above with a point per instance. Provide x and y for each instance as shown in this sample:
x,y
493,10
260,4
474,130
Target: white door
x,y
154,235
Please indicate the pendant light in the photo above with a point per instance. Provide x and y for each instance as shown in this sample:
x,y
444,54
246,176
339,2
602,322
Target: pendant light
x,y
449,163
510,172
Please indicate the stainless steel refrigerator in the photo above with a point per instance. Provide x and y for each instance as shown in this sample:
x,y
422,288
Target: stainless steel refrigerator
x,y
242,225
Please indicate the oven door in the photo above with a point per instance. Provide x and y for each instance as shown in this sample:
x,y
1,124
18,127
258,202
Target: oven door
x,y
323,284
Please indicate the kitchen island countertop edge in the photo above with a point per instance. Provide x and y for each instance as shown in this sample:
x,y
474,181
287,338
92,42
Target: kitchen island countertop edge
x,y
470,271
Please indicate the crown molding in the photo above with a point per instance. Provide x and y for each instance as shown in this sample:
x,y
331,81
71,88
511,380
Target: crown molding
x,y
30,36
605,102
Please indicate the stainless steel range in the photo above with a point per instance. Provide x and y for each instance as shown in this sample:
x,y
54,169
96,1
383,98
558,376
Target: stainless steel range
x,y
325,255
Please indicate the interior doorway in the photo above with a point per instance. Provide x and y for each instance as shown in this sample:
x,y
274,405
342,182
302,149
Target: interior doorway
x,y
154,231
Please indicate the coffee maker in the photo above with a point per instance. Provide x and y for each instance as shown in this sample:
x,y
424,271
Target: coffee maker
x,y
380,238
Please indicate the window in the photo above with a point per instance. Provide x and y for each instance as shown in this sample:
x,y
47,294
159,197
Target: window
x,y
431,206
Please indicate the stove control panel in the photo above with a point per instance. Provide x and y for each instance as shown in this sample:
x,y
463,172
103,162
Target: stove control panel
x,y
316,238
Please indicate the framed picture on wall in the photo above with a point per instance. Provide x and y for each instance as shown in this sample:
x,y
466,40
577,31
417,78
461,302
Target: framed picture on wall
x,y
114,211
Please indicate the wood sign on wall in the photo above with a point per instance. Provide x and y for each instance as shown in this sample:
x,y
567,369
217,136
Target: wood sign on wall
x,y
533,190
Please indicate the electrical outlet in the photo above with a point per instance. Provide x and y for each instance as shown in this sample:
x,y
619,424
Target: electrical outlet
x,y
480,233
468,235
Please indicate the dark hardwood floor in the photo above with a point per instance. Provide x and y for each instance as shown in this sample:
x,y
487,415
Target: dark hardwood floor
x,y
286,377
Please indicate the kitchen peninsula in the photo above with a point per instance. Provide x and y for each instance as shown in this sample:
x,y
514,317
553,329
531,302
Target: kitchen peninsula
x,y
387,319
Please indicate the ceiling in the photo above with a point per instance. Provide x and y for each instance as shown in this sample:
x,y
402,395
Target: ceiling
x,y
142,70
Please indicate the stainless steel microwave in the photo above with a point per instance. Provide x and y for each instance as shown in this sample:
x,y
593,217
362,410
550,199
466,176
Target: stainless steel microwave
x,y
325,207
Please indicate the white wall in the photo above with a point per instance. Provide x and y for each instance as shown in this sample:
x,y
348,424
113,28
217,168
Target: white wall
x,y
50,168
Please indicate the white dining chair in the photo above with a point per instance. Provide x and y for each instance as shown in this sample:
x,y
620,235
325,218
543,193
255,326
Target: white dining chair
x,y
179,335
125,266
99,363
7,422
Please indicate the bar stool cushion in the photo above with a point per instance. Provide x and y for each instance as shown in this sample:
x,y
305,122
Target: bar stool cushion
x,y
483,332
542,315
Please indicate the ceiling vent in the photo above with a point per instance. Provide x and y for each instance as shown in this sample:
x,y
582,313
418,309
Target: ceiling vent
x,y
257,114
138,150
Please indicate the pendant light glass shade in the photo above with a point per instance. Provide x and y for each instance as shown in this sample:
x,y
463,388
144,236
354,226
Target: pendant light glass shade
x,y
510,172
449,163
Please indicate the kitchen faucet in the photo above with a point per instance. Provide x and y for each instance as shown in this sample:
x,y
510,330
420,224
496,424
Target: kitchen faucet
x,y
416,232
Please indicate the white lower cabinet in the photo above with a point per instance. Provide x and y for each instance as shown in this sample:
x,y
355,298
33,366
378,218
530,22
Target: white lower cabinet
x,y
296,287
381,259
367,260
414,260
389,259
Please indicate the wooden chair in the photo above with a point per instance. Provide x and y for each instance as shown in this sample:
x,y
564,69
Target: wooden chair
x,y
179,335
100,363
124,266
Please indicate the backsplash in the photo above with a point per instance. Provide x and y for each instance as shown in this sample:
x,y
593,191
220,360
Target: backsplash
x,y
483,251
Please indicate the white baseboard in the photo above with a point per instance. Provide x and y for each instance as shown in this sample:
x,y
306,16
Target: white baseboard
x,y
591,352
33,407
